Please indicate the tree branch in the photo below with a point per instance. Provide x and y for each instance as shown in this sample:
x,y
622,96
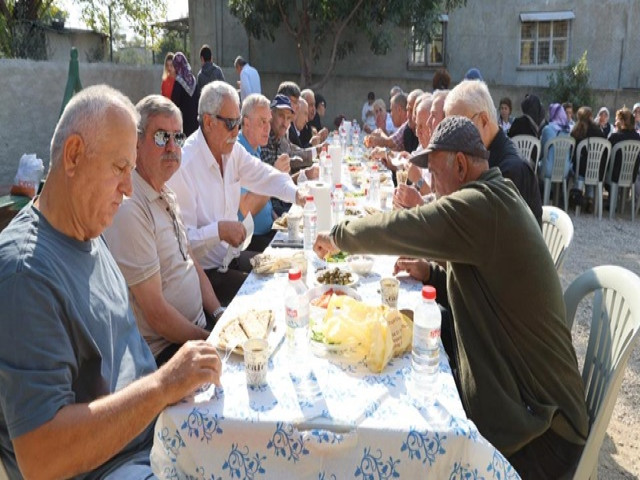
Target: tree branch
x,y
334,48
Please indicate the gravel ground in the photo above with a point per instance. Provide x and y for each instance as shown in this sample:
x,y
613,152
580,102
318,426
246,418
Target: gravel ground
x,y
612,242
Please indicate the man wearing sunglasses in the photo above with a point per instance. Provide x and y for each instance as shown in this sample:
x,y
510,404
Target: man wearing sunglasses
x,y
214,169
172,299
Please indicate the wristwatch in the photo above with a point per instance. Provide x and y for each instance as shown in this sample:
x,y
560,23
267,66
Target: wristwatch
x,y
419,184
217,313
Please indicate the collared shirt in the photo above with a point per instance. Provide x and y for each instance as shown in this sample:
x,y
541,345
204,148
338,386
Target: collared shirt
x,y
249,81
206,197
275,147
146,237
263,220
398,136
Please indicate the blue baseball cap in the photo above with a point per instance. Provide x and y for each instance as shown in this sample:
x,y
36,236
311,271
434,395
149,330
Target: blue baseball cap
x,y
281,101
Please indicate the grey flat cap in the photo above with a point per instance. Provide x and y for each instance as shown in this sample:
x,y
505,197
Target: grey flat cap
x,y
453,134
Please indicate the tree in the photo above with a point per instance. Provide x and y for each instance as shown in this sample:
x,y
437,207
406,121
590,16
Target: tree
x,y
100,15
316,25
571,84
22,27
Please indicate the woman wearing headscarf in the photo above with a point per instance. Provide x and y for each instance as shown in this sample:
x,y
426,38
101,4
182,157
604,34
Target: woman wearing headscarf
x,y
186,93
558,126
168,76
532,119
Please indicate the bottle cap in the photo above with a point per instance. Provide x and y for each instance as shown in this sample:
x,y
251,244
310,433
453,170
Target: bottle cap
x,y
428,292
338,185
295,274
374,167
309,198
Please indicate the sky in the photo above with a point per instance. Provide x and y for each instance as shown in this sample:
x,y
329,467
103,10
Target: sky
x,y
175,9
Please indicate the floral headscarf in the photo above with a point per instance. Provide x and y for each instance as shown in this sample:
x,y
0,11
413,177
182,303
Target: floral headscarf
x,y
184,76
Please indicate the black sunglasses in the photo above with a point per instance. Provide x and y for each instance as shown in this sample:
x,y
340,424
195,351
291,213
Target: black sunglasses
x,y
161,137
230,123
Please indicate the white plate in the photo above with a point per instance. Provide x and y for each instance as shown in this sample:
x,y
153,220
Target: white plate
x,y
316,292
274,337
354,277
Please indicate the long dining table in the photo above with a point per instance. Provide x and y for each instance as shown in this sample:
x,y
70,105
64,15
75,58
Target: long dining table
x,y
319,417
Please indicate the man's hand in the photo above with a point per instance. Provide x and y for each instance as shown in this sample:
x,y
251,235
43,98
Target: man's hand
x,y
417,268
283,163
406,196
195,364
312,173
232,232
324,245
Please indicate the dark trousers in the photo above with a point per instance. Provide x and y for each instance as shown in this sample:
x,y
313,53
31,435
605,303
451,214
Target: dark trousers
x,y
227,284
165,355
547,457
260,242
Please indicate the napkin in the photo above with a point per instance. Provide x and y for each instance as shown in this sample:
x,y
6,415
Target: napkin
x,y
322,198
234,252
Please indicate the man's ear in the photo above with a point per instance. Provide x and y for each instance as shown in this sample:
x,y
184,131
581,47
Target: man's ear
x,y
461,166
72,153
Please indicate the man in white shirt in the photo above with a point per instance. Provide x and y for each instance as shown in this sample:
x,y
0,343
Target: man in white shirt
x,y
208,184
249,78
170,292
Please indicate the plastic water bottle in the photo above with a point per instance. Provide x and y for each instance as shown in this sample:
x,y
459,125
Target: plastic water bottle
x,y
296,304
338,204
425,352
325,168
373,195
355,133
310,220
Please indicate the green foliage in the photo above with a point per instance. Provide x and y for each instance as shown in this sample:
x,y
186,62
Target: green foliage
x,y
321,28
571,84
22,24
138,13
170,41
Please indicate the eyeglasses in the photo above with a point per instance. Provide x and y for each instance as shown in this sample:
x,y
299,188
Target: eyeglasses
x,y
161,138
230,123
178,229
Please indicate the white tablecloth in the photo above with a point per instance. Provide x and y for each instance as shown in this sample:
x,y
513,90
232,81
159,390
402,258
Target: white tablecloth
x,y
319,418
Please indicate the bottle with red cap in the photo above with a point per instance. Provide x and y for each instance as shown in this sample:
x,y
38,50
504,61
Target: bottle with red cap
x,y
337,203
296,306
425,351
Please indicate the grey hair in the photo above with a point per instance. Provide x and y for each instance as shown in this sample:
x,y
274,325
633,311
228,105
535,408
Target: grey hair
x,y
414,94
213,95
84,115
153,105
378,102
253,101
307,92
474,94
422,101
400,99
302,101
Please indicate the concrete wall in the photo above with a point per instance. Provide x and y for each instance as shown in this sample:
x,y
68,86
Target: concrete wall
x,y
31,98
59,43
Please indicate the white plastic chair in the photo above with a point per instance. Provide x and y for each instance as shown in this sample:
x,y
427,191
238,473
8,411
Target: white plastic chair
x,y
614,330
630,149
557,230
596,147
562,150
3,472
525,145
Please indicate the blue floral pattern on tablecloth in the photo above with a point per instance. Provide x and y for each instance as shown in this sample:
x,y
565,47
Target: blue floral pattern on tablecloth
x,y
323,419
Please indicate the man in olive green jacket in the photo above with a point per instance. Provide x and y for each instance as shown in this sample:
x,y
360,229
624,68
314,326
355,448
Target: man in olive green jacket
x,y
518,371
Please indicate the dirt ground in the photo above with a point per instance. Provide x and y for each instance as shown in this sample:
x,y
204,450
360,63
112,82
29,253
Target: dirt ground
x,y
614,242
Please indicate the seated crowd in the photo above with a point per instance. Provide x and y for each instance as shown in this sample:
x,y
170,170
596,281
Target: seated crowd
x,y
114,276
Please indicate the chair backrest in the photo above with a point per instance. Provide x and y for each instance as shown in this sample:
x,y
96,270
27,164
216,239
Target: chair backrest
x,y
630,150
562,150
596,147
614,329
557,230
525,145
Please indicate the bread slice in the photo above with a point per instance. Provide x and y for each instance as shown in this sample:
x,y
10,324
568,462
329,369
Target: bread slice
x,y
256,324
232,335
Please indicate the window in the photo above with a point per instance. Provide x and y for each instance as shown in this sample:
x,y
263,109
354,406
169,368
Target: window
x,y
431,54
544,38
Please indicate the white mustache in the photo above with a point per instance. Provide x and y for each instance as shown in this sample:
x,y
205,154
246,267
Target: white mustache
x,y
171,156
